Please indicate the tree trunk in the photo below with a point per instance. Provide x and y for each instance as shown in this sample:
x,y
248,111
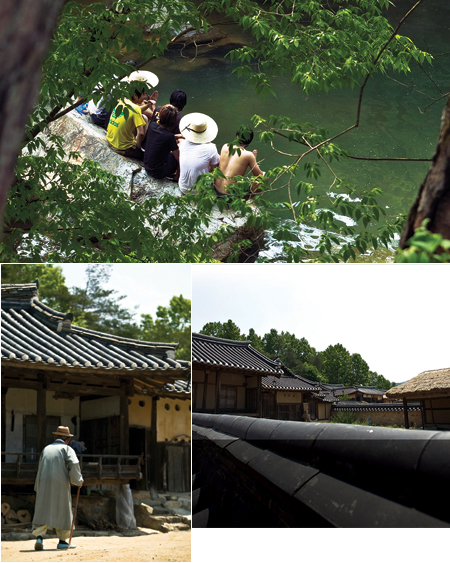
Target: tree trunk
x,y
26,28
433,201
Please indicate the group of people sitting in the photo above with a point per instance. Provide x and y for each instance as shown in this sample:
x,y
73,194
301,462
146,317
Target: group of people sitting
x,y
172,145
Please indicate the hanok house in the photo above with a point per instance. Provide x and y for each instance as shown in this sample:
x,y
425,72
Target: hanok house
x,y
292,397
432,390
127,400
227,374
362,394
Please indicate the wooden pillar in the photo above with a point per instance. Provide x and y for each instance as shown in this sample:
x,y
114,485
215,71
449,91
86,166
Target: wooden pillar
x,y
259,398
4,391
124,430
405,411
205,390
217,406
154,446
422,412
41,416
147,458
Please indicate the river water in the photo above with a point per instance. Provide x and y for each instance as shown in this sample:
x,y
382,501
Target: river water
x,y
399,121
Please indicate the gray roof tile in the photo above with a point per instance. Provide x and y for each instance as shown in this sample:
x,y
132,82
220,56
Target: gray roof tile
x,y
235,354
33,333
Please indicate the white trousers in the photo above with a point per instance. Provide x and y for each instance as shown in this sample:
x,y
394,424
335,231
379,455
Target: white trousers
x,y
63,535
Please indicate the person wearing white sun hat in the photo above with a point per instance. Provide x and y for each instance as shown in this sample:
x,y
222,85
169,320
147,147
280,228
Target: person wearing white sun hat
x,y
198,155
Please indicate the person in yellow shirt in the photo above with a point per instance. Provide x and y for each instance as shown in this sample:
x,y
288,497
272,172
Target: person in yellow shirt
x,y
125,136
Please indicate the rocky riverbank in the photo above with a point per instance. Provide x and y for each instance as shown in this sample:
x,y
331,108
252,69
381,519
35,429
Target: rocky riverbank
x,y
82,136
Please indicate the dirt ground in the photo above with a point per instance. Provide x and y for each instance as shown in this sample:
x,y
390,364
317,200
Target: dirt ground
x,y
173,546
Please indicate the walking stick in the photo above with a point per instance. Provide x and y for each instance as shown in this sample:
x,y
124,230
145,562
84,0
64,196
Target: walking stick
x,y
74,515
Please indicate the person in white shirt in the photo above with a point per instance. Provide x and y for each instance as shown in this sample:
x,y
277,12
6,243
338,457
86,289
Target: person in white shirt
x,y
198,155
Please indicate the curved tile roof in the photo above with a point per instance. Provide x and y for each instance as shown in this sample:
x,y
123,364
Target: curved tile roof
x,y
287,383
235,354
35,333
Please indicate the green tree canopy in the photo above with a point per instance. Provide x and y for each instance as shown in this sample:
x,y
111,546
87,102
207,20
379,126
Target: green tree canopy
x,y
60,210
333,365
53,290
172,324
227,330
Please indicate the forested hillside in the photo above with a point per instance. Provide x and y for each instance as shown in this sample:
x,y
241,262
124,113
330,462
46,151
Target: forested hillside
x,y
333,365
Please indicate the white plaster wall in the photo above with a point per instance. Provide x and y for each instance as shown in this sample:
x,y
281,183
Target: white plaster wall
x,y
172,423
140,415
232,379
252,381
241,398
284,397
23,402
198,375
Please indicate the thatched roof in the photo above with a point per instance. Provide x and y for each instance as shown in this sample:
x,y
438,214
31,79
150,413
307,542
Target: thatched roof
x,y
428,384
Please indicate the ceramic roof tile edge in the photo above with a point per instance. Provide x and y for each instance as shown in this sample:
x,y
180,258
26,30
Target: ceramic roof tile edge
x,y
55,316
50,318
275,367
268,382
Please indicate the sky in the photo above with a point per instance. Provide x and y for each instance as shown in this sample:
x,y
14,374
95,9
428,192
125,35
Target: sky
x,y
394,315
145,285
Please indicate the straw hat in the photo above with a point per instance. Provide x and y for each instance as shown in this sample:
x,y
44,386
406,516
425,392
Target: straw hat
x,y
198,128
63,431
142,76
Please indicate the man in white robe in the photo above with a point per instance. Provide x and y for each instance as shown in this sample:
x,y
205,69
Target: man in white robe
x,y
59,468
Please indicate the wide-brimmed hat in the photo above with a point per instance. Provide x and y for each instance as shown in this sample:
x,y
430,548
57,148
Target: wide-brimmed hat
x,y
198,128
63,431
142,76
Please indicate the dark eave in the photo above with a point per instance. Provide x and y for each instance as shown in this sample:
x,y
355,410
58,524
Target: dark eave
x,y
235,355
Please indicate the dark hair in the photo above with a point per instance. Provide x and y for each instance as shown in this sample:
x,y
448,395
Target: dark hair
x,y
139,94
178,99
244,135
168,116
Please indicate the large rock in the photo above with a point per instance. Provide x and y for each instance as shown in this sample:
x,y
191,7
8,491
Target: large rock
x,y
145,519
82,136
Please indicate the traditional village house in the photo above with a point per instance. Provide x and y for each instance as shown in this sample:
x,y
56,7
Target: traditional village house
x,y
432,390
127,400
361,393
227,374
230,376
292,397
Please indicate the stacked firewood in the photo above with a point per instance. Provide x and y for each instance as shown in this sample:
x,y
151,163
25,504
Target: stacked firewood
x,y
11,518
94,522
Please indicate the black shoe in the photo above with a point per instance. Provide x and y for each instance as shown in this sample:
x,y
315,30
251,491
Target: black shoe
x,y
62,545
39,545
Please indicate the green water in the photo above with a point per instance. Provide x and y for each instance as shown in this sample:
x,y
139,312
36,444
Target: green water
x,y
394,122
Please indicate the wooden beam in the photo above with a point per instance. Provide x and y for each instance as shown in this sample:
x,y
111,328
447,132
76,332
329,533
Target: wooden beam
x,y
20,384
153,449
205,390
147,462
124,428
405,411
41,416
217,405
259,398
4,391
161,376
